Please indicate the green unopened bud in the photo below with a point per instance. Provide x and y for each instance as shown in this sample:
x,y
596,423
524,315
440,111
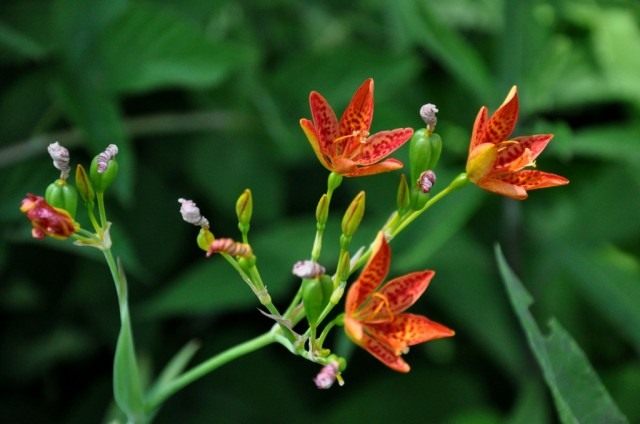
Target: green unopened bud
x,y
204,239
244,210
344,267
104,169
322,210
353,215
85,188
403,197
62,195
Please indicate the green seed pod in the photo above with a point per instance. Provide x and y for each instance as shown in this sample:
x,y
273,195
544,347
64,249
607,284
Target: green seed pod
x,y
84,185
313,299
61,195
102,180
353,215
204,239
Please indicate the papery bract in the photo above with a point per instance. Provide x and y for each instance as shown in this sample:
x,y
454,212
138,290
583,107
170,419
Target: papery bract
x,y
345,147
497,163
374,317
46,219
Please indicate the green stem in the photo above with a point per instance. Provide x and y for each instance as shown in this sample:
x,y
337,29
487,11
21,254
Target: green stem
x,y
209,365
333,182
101,210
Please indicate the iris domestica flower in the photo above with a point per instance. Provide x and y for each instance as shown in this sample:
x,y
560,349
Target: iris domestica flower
x,y
46,219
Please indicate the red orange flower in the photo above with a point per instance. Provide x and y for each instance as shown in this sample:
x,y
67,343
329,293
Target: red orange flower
x,y
498,163
375,318
345,147
46,219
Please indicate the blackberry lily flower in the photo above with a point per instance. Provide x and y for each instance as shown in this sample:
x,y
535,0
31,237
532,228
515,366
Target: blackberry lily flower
x,y
46,219
345,147
375,318
497,163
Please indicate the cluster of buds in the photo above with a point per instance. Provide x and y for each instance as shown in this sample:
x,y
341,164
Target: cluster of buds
x,y
54,214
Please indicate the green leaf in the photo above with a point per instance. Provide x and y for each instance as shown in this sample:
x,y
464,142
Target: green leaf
x,y
149,47
577,391
174,367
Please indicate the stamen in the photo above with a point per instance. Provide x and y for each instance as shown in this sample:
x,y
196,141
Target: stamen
x,y
384,304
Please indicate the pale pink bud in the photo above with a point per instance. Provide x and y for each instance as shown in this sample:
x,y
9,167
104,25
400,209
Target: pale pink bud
x,y
426,181
428,115
60,156
307,269
103,158
327,376
191,214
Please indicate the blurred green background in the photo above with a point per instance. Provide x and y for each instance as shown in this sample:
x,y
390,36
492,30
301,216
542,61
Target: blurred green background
x,y
204,97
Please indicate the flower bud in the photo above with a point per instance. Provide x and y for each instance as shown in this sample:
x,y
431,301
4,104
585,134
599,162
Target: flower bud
x,y
46,219
85,188
322,210
61,195
344,267
244,210
308,269
353,215
328,375
191,213
230,247
428,115
403,198
104,169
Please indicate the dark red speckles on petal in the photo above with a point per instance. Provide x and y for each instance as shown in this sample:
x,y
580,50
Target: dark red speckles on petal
x,y
382,144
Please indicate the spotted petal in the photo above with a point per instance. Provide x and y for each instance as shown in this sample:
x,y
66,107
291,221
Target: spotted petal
x,y
407,330
359,113
395,297
384,353
378,168
511,150
477,135
371,277
310,131
324,121
532,179
503,121
380,145
503,188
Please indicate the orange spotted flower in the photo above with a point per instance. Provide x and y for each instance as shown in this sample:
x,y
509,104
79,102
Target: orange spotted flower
x,y
46,219
345,147
375,318
498,163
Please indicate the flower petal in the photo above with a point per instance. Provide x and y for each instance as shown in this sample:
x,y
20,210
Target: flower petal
x,y
477,135
378,168
407,330
511,150
380,145
324,121
383,353
532,179
372,275
312,136
359,113
395,297
503,121
503,188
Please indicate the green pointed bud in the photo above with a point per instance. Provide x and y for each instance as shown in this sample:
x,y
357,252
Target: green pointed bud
x,y
334,181
244,210
85,188
62,195
322,210
344,267
313,299
403,197
102,180
353,215
204,239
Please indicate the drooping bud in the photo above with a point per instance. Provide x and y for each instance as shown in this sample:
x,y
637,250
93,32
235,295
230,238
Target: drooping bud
x,y
85,188
428,115
61,195
403,197
104,169
230,247
46,219
244,210
353,216
60,156
426,181
322,210
191,213
307,269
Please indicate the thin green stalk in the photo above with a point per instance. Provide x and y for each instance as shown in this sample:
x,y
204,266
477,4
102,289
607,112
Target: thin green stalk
x,y
209,365
101,210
